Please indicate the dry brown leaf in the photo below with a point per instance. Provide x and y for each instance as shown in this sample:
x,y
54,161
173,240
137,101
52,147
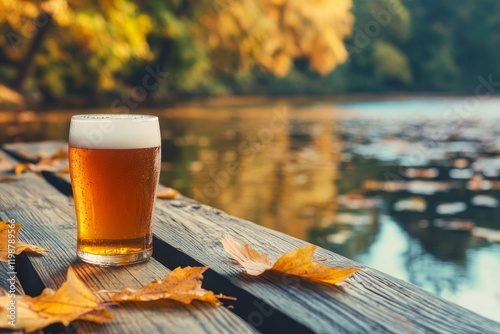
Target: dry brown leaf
x,y
9,232
298,262
253,262
167,193
7,178
73,301
182,285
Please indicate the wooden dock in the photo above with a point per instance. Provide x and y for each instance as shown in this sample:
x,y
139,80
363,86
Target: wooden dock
x,y
187,233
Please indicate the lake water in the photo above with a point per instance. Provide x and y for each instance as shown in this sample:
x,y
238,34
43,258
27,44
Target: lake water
x,y
409,186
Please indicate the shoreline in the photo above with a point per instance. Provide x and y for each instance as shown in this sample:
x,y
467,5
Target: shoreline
x,y
232,101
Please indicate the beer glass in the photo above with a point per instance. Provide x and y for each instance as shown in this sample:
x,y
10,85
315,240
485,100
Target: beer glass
x,y
114,166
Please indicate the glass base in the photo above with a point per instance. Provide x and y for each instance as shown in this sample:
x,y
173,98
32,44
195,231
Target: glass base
x,y
115,260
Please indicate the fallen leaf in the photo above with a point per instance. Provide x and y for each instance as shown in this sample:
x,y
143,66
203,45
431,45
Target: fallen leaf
x,y
7,178
15,247
72,301
182,285
20,168
62,153
36,168
298,262
167,193
64,169
253,262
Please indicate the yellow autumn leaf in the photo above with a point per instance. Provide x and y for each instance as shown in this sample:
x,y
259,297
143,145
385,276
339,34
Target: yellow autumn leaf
x,y
298,262
167,193
72,301
20,168
10,245
182,285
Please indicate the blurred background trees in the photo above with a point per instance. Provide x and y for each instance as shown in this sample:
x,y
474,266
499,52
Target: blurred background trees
x,y
69,50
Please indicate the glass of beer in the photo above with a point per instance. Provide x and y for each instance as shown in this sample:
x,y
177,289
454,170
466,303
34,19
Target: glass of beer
x,y
114,165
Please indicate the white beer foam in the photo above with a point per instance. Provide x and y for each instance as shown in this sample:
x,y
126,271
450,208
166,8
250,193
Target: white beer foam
x,y
114,131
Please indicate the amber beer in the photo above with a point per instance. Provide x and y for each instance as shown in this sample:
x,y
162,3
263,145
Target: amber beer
x,y
114,166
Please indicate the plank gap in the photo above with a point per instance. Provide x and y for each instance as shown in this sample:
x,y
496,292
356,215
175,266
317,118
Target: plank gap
x,y
19,157
59,183
251,309
33,286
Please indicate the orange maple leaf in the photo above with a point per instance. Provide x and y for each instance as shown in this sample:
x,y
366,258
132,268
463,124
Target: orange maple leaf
x,y
72,301
298,262
10,245
182,285
167,193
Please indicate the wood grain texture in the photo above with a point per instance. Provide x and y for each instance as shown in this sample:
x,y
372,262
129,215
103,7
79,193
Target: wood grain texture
x,y
4,284
49,221
369,302
33,151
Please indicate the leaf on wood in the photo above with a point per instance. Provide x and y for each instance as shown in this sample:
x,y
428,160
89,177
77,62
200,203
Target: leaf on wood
x,y
9,232
20,168
7,178
73,301
36,168
62,153
298,262
167,193
182,285
64,169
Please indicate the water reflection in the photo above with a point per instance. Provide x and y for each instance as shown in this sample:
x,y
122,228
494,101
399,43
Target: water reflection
x,y
412,196
277,171
393,185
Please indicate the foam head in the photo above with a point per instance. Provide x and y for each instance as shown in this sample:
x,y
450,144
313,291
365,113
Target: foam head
x,y
113,131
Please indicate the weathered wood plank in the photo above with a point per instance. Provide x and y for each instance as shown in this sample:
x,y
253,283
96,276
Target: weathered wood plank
x,y
370,301
6,273
33,151
49,221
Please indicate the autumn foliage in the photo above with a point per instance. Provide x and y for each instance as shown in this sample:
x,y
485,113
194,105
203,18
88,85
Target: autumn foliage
x,y
92,46
75,301
298,262
72,301
272,33
10,245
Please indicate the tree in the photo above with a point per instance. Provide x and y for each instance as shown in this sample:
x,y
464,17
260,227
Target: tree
x,y
376,59
59,47
271,34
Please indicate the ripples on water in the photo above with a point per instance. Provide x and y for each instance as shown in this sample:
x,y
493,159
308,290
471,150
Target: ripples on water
x,y
409,187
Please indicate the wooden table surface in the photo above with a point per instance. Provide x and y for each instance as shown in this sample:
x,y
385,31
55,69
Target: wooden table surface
x,y
187,233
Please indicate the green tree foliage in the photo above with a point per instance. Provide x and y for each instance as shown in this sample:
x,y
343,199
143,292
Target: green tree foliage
x,y
391,63
376,59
